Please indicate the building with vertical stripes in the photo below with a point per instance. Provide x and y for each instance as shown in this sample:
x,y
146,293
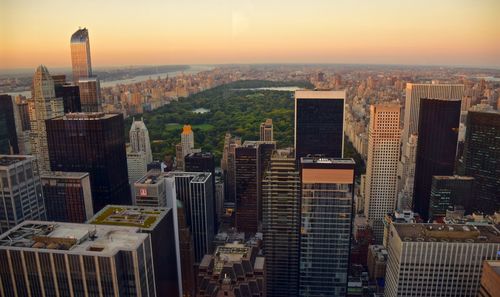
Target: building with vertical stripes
x,y
381,170
64,259
194,190
327,201
281,224
68,197
434,260
21,195
414,92
266,130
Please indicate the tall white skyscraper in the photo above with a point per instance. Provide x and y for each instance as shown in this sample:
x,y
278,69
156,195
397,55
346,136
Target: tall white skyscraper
x,y
43,106
187,140
381,171
139,139
414,92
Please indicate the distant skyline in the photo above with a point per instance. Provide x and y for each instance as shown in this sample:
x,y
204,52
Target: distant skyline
x,y
126,32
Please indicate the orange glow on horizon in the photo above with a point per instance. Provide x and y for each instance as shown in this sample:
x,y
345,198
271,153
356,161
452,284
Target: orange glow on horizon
x,y
127,33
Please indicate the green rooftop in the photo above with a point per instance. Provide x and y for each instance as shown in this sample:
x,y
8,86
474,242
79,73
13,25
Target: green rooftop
x,y
141,217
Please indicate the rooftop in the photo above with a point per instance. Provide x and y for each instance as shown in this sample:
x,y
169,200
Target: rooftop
x,y
197,177
72,238
8,160
151,178
230,253
322,160
81,35
86,116
132,216
311,94
64,175
452,177
495,265
447,233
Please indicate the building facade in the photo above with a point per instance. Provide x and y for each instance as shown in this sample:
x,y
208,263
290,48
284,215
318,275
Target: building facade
x,y
93,143
90,94
139,139
80,55
490,279
327,186
21,195
8,136
436,148
194,190
266,130
450,191
450,258
137,165
481,159
281,225
414,92
381,170
187,140
319,123
158,222
68,197
67,259
43,106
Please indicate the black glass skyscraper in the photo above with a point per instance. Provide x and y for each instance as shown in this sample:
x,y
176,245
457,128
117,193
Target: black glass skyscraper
x,y
436,149
93,143
8,137
481,159
319,123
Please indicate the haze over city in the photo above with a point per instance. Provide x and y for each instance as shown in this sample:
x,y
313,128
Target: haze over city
x,y
446,32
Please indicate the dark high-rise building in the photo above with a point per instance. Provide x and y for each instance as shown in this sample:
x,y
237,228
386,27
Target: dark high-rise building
x,y
281,224
70,95
203,162
481,159
436,149
250,161
227,166
319,123
93,143
448,191
159,223
68,197
327,201
8,137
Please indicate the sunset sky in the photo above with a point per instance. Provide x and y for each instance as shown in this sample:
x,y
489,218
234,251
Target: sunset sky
x,y
130,32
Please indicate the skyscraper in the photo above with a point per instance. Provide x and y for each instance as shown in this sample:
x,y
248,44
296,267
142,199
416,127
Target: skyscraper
x,y
436,148
139,139
194,190
137,166
89,85
21,196
251,160
187,140
68,197
481,159
406,173
266,130
436,260
319,123
44,106
93,143
381,170
159,223
23,125
80,55
450,191
8,137
67,259
281,224
326,222
414,92
227,165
